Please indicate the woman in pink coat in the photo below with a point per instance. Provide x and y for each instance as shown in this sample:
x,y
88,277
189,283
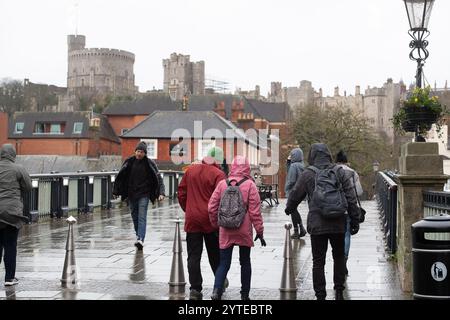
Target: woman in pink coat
x,y
243,236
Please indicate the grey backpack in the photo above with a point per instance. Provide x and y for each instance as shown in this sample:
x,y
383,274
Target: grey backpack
x,y
231,209
328,193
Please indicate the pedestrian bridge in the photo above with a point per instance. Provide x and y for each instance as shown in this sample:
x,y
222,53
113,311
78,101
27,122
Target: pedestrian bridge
x,y
109,267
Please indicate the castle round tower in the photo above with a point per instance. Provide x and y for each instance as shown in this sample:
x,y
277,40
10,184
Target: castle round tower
x,y
99,70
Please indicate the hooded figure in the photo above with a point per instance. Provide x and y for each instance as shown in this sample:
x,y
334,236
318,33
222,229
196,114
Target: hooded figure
x,y
322,229
242,236
14,184
295,168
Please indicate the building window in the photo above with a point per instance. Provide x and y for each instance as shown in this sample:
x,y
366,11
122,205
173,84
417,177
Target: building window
x,y
77,127
39,127
55,128
152,148
203,148
178,149
19,127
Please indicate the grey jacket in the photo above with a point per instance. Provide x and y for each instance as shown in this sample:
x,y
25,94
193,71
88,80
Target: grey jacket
x,y
14,183
295,169
354,175
320,157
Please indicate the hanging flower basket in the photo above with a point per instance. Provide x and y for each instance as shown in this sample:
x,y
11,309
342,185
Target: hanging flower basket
x,y
419,117
419,112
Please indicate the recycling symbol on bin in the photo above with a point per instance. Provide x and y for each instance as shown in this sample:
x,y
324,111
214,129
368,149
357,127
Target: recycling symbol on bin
x,y
438,271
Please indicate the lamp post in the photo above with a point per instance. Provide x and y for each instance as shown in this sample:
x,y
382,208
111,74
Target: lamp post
x,y
419,12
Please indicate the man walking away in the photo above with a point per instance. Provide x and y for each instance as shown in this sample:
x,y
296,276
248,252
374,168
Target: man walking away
x,y
321,228
341,160
194,192
14,184
139,182
294,170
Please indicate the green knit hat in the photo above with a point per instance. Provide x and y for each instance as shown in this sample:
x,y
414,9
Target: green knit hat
x,y
217,154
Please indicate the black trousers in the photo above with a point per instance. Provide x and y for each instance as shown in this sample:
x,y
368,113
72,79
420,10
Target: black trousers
x,y
319,245
195,248
8,244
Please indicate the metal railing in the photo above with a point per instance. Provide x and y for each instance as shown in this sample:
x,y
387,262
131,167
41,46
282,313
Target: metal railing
x,y
57,194
435,203
386,194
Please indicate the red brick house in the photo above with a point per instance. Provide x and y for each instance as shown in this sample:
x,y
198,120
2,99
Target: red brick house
x,y
173,136
242,112
62,133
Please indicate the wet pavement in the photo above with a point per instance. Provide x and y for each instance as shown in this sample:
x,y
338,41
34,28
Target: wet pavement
x,y
110,268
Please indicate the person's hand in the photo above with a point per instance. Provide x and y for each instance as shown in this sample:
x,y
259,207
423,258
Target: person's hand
x,y
354,228
287,211
261,238
161,198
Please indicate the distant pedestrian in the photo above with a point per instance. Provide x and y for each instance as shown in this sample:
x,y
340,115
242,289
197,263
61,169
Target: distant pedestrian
x,y
242,236
342,161
15,182
295,168
321,227
139,182
194,192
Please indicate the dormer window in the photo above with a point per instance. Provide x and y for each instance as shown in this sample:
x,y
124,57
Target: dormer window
x,y
19,128
48,128
77,127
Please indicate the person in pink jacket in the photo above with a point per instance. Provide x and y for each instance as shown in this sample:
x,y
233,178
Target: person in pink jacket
x,y
243,236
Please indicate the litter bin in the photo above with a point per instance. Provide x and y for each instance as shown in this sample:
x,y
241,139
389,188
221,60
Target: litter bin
x,y
431,258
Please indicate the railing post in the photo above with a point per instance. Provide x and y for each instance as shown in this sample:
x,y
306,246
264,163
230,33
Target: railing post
x,y
177,282
69,278
288,288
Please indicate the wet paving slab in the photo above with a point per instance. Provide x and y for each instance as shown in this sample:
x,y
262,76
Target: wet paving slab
x,y
110,268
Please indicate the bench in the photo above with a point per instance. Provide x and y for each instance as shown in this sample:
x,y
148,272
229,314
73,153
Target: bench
x,y
268,193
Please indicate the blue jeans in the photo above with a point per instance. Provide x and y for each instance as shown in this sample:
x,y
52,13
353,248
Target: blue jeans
x,y
138,210
225,263
347,238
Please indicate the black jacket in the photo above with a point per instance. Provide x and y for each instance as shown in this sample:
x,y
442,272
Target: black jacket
x,y
156,181
320,157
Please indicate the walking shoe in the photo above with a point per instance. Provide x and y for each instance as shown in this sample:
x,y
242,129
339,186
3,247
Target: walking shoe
x,y
139,244
216,294
195,295
245,296
302,231
295,235
226,283
11,282
339,295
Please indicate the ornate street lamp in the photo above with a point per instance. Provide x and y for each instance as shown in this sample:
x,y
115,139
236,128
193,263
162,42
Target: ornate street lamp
x,y
419,12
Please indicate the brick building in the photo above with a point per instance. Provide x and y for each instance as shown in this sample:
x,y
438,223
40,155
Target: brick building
x,y
62,133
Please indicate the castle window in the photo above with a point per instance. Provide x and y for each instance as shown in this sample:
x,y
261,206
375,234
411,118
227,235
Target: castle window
x,y
82,82
19,128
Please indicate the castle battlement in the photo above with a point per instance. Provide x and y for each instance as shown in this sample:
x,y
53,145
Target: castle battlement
x,y
104,52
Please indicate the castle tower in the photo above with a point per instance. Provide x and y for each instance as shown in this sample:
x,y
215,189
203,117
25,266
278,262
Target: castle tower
x,y
76,42
181,76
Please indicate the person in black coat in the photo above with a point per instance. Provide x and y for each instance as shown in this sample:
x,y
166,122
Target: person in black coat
x,y
322,229
139,182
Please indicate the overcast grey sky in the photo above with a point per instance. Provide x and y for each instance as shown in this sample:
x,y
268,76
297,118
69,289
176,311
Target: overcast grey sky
x,y
246,42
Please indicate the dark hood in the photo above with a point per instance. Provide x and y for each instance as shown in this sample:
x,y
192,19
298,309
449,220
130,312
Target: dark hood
x,y
319,155
7,152
296,155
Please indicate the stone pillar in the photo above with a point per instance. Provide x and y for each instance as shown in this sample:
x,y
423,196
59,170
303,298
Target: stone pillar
x,y
421,168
